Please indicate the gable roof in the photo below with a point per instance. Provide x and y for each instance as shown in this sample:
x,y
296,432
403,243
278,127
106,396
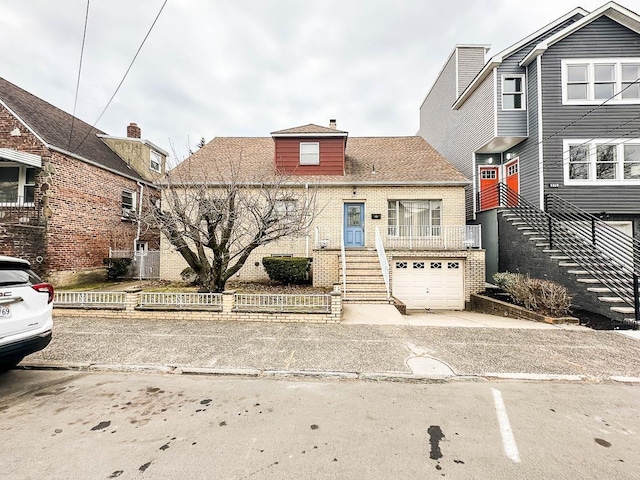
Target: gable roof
x,y
310,129
612,10
368,160
53,126
497,59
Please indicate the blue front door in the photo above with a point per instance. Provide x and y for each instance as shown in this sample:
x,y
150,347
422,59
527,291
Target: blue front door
x,y
354,224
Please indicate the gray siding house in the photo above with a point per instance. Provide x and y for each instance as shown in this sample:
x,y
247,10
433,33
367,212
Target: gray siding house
x,y
555,115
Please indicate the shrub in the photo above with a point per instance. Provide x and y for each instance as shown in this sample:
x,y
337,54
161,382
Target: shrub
x,y
541,296
287,269
116,267
189,276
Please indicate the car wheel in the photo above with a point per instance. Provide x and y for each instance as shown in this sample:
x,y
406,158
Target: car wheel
x,y
9,363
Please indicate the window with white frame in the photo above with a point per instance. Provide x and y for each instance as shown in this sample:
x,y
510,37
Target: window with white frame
x,y
17,183
285,208
128,203
602,161
513,92
593,81
156,161
309,153
414,218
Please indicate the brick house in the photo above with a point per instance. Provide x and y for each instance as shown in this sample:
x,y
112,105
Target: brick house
x,y
67,190
391,215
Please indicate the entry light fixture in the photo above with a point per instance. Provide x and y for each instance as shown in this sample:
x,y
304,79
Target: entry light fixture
x,y
490,160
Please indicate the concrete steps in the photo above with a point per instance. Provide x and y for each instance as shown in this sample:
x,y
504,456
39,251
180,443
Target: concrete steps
x,y
365,283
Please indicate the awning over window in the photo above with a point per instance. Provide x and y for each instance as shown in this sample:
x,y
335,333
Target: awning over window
x,y
21,157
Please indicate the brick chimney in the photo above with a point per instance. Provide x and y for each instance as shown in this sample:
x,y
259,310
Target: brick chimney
x,y
333,124
133,130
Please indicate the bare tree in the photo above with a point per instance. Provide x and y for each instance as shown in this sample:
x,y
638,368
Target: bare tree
x,y
217,216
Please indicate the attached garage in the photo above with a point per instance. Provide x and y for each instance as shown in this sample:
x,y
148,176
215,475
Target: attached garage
x,y
434,283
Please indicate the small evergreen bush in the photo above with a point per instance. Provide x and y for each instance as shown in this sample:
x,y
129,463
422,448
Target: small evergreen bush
x,y
116,267
287,270
190,277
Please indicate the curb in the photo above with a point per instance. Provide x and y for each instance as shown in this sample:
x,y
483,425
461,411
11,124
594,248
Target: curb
x,y
398,377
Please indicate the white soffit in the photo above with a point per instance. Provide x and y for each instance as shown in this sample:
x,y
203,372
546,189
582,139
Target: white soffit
x,y
21,157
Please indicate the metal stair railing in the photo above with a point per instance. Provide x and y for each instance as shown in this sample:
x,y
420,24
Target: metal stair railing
x,y
564,232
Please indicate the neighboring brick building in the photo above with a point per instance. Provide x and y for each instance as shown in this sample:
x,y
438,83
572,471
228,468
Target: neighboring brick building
x,y
398,189
67,190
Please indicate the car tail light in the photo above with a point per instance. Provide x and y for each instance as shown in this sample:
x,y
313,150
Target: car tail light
x,y
45,287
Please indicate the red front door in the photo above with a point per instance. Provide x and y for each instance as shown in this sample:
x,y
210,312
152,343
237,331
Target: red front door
x,y
513,182
489,195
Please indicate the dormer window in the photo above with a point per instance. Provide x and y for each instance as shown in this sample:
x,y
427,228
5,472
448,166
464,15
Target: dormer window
x,y
156,161
309,153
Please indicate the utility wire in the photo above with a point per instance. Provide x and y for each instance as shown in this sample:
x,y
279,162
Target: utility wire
x,y
124,77
75,102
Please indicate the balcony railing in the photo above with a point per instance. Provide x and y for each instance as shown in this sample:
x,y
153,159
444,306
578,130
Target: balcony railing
x,y
450,237
19,210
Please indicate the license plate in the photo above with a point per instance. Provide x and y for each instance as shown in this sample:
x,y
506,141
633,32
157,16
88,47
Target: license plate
x,y
5,312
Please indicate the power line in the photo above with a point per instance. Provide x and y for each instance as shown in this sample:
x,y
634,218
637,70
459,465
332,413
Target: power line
x,y
124,77
75,102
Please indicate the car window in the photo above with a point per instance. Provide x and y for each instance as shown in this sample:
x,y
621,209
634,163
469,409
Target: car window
x,y
13,276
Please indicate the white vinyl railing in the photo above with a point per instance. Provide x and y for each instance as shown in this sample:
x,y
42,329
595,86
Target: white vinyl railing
x,y
181,300
90,299
261,302
343,256
455,237
382,258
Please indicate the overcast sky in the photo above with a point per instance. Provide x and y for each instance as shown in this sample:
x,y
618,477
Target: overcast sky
x,y
249,67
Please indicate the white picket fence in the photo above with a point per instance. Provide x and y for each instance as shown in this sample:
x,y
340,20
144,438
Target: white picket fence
x,y
90,299
181,300
261,302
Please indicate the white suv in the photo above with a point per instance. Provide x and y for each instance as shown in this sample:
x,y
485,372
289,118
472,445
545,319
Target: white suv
x,y
26,306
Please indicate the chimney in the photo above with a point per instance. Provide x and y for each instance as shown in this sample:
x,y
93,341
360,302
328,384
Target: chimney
x,y
133,130
333,124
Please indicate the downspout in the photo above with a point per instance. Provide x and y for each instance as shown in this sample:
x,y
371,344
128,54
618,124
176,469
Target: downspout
x,y
306,200
135,242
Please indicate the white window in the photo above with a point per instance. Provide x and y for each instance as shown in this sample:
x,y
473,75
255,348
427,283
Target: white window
x,y
309,153
602,161
513,93
128,203
414,218
285,208
594,81
156,161
17,184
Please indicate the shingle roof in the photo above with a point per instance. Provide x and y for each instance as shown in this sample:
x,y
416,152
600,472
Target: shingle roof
x,y
397,160
310,128
54,125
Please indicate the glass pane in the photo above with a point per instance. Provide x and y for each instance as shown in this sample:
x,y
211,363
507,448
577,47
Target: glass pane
x,y
508,102
606,153
602,91
632,171
632,153
127,200
29,194
577,91
9,184
512,85
577,73
605,73
606,171
630,90
578,153
630,72
579,171
353,216
31,175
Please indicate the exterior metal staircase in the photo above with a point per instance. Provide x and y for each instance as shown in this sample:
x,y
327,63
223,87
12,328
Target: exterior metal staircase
x,y
602,258
364,280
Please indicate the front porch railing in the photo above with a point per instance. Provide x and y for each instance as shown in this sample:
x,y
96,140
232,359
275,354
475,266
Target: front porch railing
x,y
449,237
384,263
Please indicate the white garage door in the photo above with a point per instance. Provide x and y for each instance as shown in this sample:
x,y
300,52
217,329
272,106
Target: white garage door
x,y
429,283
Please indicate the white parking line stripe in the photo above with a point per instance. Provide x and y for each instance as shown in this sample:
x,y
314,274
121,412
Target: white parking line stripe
x,y
508,440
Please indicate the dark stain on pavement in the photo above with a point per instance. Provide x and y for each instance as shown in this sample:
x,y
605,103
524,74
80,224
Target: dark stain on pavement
x,y
116,474
223,424
142,468
459,462
153,390
314,427
206,401
101,426
435,436
164,447
602,442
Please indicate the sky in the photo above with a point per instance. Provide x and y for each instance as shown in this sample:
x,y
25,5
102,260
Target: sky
x,y
249,67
